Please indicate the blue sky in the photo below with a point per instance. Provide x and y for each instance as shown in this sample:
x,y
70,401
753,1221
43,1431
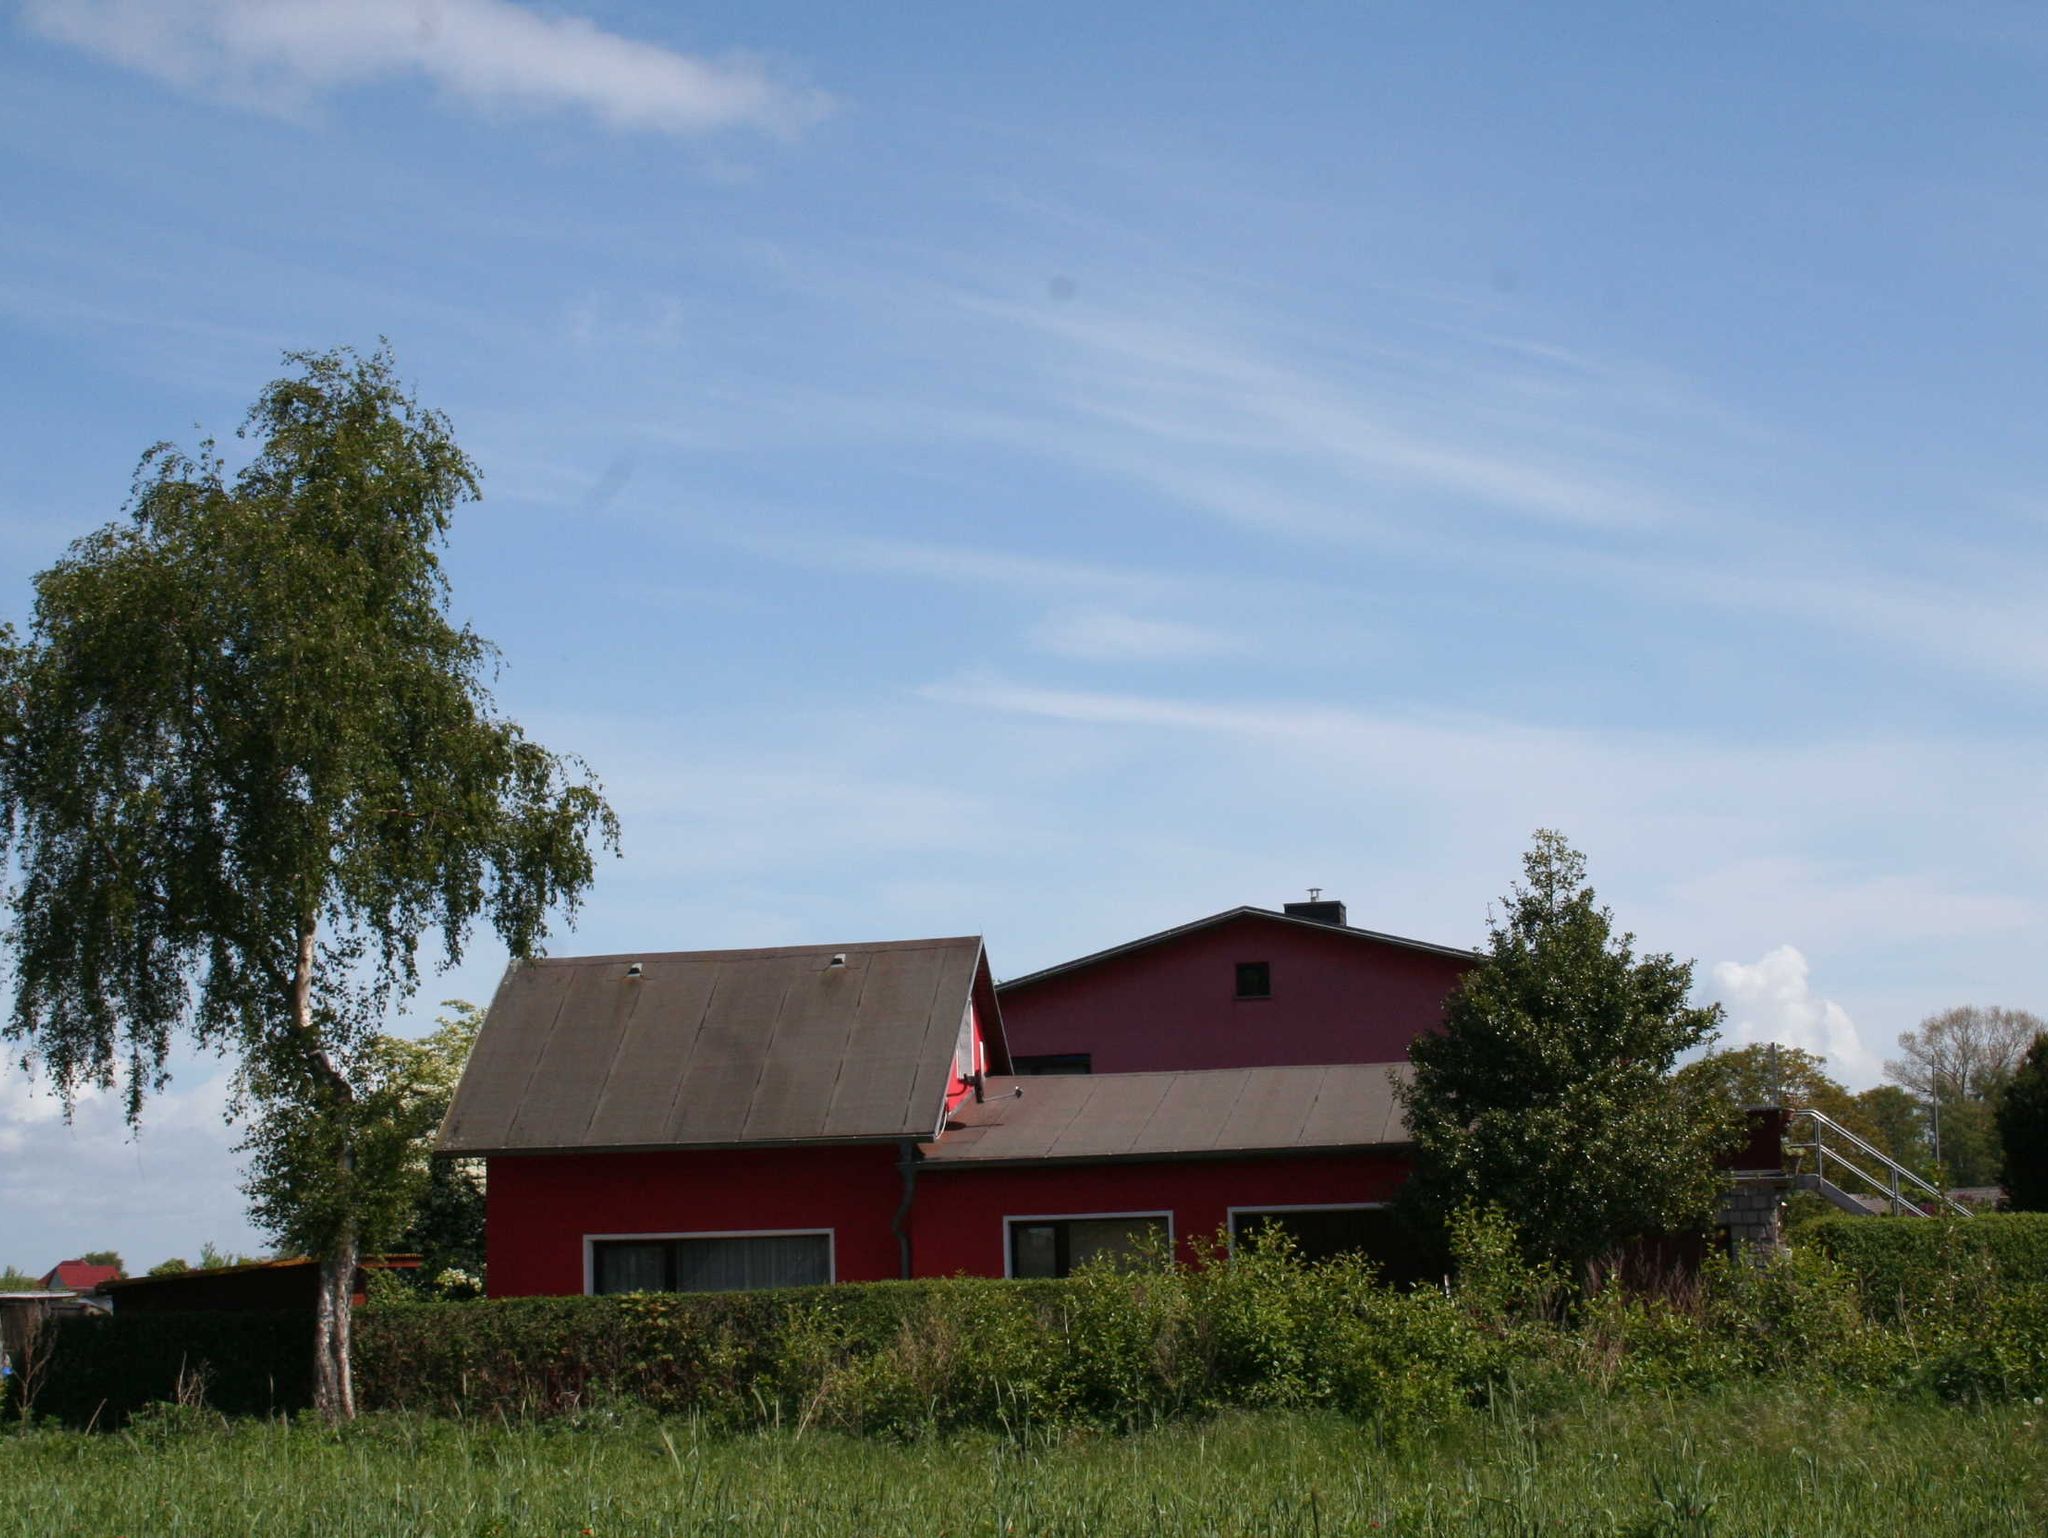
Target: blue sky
x,y
1057,471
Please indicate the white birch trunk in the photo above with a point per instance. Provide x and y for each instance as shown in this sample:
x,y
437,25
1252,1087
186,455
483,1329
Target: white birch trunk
x,y
334,1393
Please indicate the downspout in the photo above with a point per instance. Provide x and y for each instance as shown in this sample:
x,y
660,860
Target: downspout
x,y
907,1168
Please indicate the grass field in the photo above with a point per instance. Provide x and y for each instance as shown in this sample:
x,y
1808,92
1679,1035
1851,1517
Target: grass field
x,y
1769,1462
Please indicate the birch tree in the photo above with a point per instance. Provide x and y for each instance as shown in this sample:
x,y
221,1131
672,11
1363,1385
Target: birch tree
x,y
250,762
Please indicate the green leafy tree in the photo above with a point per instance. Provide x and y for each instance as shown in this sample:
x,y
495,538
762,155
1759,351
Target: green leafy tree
x,y
105,1258
14,1279
1958,1062
2023,1131
1771,1073
303,1190
1900,1123
249,762
1550,1090
175,1266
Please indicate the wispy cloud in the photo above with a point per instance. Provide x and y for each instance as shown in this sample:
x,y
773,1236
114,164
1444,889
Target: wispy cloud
x,y
1110,635
280,54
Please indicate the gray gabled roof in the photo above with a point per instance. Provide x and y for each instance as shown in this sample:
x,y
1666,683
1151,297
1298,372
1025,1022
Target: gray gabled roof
x,y
1193,1112
1224,917
717,1048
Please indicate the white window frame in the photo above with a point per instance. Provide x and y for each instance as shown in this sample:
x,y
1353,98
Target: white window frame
x,y
1230,1213
1010,1244
592,1241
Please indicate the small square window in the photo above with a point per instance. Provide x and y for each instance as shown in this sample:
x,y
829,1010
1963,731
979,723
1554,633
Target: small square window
x,y
1254,979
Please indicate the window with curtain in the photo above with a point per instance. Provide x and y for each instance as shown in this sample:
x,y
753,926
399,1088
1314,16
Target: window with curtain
x,y
725,1263
1056,1246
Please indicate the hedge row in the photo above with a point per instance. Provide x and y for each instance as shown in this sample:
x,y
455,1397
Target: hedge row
x,y
1119,1347
1903,1264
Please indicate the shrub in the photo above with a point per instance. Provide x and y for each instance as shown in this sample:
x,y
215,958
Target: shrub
x,y
1904,1265
1121,1344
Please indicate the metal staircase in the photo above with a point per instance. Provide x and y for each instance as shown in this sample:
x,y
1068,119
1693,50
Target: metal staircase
x,y
1896,1189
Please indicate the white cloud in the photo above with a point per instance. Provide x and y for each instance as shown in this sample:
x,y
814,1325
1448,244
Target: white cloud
x,y
278,54
1109,635
1772,999
91,1183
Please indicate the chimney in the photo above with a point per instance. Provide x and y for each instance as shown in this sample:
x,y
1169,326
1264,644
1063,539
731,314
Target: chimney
x,y
1316,910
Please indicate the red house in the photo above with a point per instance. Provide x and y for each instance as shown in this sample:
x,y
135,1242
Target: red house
x,y
726,1119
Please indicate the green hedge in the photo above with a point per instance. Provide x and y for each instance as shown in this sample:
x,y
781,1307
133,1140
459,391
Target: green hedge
x,y
722,1352
1119,1348
1913,1264
100,1370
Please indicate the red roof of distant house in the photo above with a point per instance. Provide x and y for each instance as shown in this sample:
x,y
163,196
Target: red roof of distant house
x,y
77,1276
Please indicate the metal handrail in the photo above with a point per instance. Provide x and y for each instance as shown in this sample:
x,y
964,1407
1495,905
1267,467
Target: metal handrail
x,y
1822,1122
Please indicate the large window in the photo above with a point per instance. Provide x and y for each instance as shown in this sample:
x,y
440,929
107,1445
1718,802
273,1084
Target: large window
x,y
1255,979
1320,1232
710,1262
1056,1246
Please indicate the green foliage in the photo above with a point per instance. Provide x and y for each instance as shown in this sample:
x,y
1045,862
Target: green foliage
x,y
300,1187
1960,1060
249,762
213,1258
1550,1088
1771,1460
1126,1345
175,1266
105,1258
1898,1124
1910,1266
1773,1074
244,723
2023,1131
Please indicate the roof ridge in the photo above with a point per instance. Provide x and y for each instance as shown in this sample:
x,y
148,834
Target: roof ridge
x,y
1243,910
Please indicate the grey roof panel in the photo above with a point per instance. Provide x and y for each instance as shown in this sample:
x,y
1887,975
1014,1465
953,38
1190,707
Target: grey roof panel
x,y
1270,1111
733,1042
653,1057
807,1050
709,1048
1111,1122
575,1059
502,1062
881,1057
1192,1102
1165,1115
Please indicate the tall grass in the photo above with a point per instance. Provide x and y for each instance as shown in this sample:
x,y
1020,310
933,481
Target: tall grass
x,y
1761,1461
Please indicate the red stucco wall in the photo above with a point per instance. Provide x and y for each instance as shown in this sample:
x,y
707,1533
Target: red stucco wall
x,y
957,1221
1336,999
540,1206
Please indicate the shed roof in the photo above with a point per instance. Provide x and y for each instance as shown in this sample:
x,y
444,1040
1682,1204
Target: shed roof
x,y
1247,911
1177,1115
717,1048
